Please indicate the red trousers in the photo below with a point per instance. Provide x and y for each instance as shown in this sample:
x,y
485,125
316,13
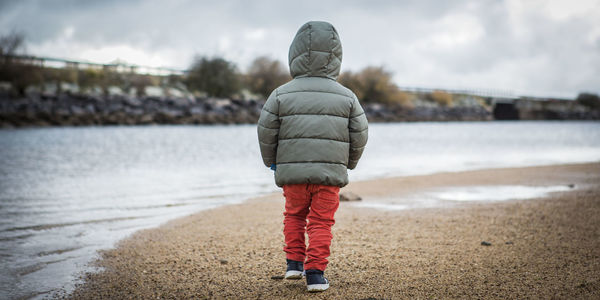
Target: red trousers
x,y
317,203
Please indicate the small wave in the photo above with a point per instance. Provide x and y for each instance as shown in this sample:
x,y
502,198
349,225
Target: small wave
x,y
16,237
56,225
58,251
38,266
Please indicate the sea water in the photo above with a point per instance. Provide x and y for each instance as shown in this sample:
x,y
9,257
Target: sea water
x,y
66,193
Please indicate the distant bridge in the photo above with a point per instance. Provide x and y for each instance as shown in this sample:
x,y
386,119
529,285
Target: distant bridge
x,y
121,67
506,95
497,95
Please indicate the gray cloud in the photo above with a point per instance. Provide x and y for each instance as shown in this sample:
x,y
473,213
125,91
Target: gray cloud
x,y
543,47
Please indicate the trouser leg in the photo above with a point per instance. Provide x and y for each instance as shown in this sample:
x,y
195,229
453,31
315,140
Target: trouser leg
x,y
297,203
324,204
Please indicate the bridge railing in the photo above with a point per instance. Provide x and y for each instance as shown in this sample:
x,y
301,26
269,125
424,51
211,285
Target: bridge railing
x,y
53,62
492,93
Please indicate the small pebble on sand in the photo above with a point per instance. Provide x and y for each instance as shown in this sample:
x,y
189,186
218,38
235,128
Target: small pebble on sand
x,y
349,196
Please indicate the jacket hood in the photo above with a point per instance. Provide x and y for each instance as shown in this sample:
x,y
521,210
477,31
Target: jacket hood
x,y
316,51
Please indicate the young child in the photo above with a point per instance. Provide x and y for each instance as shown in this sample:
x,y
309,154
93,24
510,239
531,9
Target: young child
x,y
311,130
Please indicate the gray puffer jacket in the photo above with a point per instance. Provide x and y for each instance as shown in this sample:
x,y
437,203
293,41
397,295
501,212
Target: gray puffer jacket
x,y
312,127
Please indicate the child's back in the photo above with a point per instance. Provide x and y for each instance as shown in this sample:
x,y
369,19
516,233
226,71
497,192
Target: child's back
x,y
311,130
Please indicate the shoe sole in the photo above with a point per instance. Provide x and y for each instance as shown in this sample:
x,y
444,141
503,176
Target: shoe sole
x,y
293,275
313,288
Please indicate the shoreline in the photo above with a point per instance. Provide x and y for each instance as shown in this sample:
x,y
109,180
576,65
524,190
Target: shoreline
x,y
232,251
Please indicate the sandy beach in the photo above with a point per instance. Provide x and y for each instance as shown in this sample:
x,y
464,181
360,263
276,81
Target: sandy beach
x,y
546,247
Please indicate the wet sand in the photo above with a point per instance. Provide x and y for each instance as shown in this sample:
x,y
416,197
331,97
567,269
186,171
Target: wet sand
x,y
540,248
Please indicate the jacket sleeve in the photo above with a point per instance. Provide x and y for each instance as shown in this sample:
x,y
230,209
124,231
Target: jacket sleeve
x,y
359,130
268,129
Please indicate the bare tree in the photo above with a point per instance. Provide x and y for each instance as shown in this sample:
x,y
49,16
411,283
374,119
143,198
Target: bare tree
x,y
11,44
19,75
374,84
265,74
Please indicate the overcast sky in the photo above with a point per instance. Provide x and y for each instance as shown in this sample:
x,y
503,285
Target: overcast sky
x,y
527,46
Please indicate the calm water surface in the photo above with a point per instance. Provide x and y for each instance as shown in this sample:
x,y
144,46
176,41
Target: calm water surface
x,y
67,192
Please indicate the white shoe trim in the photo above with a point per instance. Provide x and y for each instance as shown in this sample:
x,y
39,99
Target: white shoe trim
x,y
317,287
292,274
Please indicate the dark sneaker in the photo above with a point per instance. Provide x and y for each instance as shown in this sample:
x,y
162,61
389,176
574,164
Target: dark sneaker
x,y
315,281
295,269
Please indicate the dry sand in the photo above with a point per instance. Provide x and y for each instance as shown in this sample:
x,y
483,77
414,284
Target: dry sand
x,y
541,248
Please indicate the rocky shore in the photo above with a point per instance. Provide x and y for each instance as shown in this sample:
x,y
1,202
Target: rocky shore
x,y
68,109
76,110
396,113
